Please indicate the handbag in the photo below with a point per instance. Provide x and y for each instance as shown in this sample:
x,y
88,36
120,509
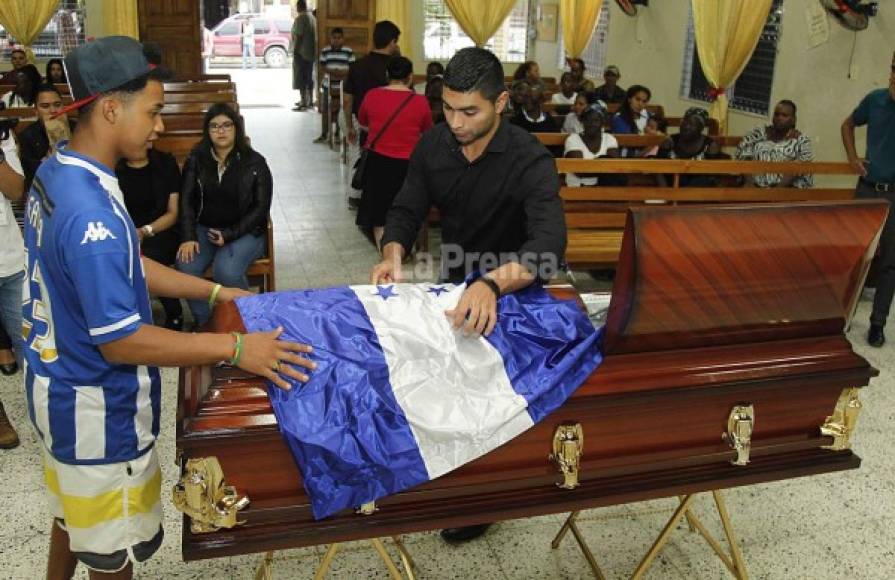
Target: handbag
x,y
360,166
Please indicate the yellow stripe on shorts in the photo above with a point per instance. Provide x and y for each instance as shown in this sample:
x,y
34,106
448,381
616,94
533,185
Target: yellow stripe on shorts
x,y
90,511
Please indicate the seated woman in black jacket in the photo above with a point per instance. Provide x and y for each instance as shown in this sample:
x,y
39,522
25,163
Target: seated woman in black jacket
x,y
151,189
224,205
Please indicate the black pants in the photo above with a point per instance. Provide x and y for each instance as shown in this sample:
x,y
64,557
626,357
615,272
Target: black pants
x,y
885,280
163,249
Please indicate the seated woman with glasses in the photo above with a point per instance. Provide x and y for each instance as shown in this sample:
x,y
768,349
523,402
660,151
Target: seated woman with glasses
x,y
224,205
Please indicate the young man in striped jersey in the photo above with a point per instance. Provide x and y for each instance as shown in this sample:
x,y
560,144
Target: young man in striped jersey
x,y
334,59
91,351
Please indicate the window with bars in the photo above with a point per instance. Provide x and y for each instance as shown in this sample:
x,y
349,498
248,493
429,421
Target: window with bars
x,y
752,90
594,56
62,34
443,36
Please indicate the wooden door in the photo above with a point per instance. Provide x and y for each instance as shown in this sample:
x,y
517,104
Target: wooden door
x,y
355,17
175,25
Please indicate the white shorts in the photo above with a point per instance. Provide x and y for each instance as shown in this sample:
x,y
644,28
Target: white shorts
x,y
112,512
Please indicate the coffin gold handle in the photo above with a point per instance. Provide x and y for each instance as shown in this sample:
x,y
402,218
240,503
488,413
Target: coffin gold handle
x,y
841,424
740,424
203,495
568,445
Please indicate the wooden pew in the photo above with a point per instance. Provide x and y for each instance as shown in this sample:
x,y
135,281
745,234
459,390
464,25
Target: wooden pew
x,y
559,139
200,97
595,215
199,86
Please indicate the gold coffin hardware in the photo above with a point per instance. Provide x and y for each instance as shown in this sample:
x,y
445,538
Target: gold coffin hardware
x,y
740,424
841,424
367,509
203,495
568,445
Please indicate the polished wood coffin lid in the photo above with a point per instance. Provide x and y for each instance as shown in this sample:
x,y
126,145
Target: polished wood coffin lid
x,y
700,276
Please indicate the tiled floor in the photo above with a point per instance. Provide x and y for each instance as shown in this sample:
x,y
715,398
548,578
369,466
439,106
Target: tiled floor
x,y
834,526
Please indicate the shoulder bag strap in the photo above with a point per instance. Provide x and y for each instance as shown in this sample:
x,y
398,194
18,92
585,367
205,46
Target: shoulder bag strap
x,y
391,118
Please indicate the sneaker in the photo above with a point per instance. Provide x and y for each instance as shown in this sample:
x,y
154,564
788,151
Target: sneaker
x,y
298,108
321,139
8,436
875,336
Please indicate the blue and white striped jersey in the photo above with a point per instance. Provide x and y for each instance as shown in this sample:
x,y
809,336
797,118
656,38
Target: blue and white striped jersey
x,y
84,287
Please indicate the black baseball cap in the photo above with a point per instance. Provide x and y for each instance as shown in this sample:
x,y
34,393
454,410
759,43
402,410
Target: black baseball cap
x,y
103,65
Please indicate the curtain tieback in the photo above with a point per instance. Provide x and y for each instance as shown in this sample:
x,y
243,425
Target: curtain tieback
x,y
715,92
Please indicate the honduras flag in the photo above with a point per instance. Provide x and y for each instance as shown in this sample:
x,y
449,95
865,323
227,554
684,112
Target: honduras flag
x,y
399,397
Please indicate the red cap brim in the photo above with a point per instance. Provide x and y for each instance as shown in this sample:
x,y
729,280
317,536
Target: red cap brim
x,y
80,103
74,106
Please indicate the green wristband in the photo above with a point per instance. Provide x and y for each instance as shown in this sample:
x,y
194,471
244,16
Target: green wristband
x,y
214,295
237,349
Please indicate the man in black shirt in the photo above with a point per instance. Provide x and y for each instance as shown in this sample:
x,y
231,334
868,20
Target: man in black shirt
x,y
497,190
610,92
364,75
531,116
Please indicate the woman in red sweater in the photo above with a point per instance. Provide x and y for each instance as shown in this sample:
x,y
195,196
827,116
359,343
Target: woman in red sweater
x,y
404,116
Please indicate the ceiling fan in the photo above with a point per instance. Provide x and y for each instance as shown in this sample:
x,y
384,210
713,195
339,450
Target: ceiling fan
x,y
853,14
629,7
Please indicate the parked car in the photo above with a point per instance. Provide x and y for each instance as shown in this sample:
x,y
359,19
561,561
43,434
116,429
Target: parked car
x,y
271,38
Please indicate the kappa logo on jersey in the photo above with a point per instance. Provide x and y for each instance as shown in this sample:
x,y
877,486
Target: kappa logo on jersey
x,y
97,232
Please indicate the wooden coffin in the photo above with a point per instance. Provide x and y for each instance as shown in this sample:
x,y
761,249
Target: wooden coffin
x,y
713,308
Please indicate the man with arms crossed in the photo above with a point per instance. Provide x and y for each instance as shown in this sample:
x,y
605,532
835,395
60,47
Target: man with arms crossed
x,y
91,352
877,181
497,190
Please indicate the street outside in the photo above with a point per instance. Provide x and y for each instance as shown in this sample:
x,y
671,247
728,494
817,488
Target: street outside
x,y
263,86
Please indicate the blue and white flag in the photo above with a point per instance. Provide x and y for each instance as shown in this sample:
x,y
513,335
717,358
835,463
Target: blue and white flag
x,y
399,397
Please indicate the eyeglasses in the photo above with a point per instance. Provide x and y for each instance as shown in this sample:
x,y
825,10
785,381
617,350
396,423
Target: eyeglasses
x,y
225,126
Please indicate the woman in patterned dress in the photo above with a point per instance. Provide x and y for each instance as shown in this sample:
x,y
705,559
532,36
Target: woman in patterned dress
x,y
779,141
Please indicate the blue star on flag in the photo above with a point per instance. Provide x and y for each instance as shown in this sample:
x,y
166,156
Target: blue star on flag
x,y
437,290
385,292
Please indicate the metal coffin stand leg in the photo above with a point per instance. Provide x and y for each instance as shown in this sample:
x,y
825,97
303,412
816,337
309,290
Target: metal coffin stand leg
x,y
734,561
265,569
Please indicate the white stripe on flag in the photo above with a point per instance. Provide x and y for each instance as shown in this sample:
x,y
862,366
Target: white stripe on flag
x,y
453,389
90,423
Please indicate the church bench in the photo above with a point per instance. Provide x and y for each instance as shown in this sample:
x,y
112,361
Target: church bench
x,y
192,107
208,97
595,216
199,86
558,140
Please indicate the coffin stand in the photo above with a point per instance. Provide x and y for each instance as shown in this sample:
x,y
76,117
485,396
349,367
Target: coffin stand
x,y
726,364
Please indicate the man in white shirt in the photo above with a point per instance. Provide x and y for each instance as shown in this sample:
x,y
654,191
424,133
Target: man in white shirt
x,y
567,92
12,259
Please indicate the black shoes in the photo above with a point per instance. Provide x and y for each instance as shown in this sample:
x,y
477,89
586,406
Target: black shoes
x,y
9,369
875,336
464,534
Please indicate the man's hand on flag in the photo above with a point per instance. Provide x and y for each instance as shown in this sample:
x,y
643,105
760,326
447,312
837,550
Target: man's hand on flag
x,y
476,312
388,271
265,355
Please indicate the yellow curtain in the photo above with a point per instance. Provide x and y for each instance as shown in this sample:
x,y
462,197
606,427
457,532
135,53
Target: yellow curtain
x,y
120,18
727,32
579,17
25,19
480,19
398,11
